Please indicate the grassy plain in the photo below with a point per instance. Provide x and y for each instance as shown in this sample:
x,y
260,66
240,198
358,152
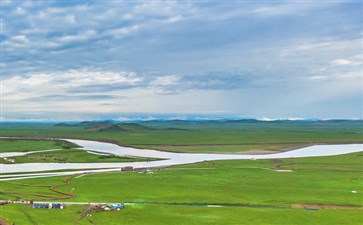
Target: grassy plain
x,y
251,191
221,182
71,156
17,145
181,215
65,155
236,181
205,136
213,148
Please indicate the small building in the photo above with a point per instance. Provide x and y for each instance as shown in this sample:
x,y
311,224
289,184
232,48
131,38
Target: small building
x,y
108,207
20,201
117,206
127,168
47,205
4,202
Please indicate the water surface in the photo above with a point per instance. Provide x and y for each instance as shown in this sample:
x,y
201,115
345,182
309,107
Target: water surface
x,y
170,158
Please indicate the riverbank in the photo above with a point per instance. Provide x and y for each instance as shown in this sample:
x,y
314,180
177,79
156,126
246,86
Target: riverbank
x,y
233,191
295,145
170,159
202,137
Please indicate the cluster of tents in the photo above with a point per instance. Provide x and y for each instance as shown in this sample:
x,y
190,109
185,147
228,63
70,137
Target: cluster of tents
x,y
108,207
46,205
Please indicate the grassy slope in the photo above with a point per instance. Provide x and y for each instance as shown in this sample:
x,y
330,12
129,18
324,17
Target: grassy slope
x,y
235,181
8,145
333,162
222,148
238,181
239,186
351,161
159,215
71,156
191,136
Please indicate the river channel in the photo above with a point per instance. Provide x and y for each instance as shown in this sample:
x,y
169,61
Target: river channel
x,y
167,159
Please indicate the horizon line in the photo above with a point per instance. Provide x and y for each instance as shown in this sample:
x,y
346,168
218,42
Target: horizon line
x,y
138,119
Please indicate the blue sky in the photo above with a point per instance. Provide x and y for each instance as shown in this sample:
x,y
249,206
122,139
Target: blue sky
x,y
79,60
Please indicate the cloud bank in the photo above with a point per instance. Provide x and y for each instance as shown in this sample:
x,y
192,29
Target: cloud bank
x,y
91,59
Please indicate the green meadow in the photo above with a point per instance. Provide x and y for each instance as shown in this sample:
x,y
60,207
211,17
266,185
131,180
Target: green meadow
x,y
18,145
251,182
71,156
65,154
202,136
248,191
181,215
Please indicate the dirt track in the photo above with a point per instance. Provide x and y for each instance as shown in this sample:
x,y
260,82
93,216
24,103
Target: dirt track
x,y
316,206
53,188
2,222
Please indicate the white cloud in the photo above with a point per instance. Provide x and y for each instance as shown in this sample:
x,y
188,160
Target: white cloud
x,y
166,80
88,34
123,31
341,62
71,19
62,82
321,46
318,78
351,75
276,119
173,19
258,50
267,119
20,38
353,61
19,11
339,76
290,8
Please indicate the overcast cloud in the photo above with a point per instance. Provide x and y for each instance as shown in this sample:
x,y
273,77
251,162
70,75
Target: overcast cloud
x,y
92,59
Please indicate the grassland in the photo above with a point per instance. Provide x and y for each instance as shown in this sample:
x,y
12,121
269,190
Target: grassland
x,y
222,182
17,145
237,182
71,156
207,136
66,154
181,215
249,189
215,148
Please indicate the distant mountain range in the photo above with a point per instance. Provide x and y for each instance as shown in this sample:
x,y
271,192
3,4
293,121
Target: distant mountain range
x,y
177,125
177,120
105,126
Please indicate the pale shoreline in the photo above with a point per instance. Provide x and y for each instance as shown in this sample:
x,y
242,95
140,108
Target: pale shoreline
x,y
170,159
297,145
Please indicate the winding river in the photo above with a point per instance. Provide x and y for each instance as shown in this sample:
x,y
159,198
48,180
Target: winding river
x,y
34,170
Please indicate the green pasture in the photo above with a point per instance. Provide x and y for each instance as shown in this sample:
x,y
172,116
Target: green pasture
x,y
17,145
71,156
205,136
221,148
252,191
180,215
219,182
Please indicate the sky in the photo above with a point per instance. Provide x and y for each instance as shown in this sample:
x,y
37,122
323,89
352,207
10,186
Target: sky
x,y
90,60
